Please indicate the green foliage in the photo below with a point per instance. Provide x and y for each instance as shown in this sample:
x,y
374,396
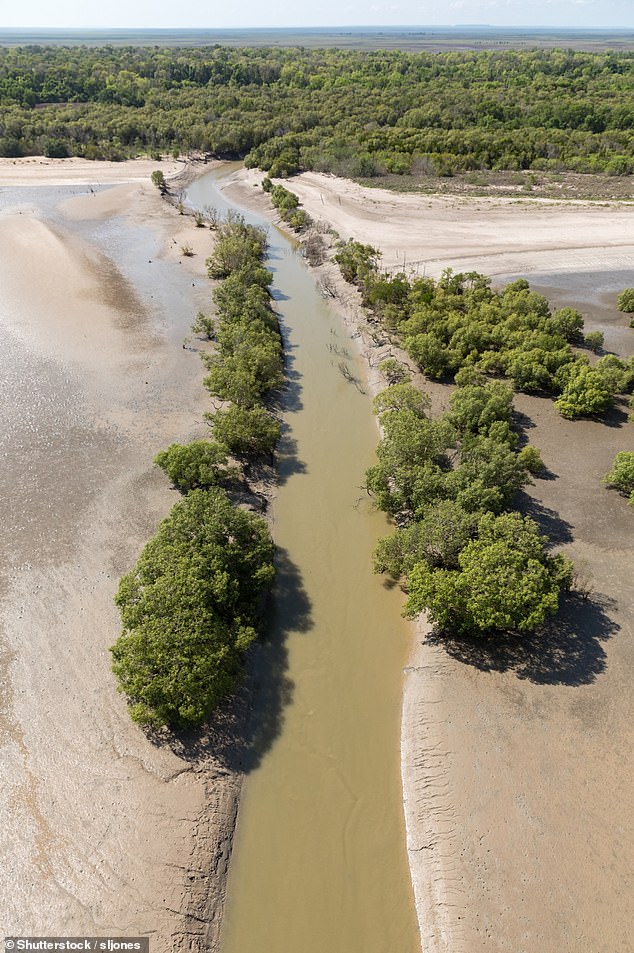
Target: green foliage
x,y
194,465
594,340
489,475
403,396
584,392
618,375
237,244
249,361
475,408
471,569
287,204
437,539
412,459
393,371
625,301
531,458
621,476
248,367
567,323
245,431
55,149
158,179
356,261
415,468
342,111
203,324
189,610
505,581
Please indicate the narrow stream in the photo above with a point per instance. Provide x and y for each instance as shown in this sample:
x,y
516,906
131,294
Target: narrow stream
x,y
319,862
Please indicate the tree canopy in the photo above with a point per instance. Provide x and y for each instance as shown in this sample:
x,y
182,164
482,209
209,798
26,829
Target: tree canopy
x,y
504,581
621,476
354,113
189,610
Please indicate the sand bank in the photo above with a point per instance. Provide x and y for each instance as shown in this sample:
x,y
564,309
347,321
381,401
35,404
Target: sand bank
x,y
495,236
517,764
103,831
41,171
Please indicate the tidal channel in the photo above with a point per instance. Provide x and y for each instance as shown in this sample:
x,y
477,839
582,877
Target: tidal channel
x,y
319,861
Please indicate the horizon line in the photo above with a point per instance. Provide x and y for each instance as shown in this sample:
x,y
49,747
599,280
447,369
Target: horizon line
x,y
348,26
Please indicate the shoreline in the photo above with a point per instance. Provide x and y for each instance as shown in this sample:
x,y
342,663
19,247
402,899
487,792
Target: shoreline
x,y
486,818
487,815
345,300
113,833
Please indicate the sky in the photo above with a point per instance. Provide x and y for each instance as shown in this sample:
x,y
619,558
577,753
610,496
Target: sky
x,y
289,13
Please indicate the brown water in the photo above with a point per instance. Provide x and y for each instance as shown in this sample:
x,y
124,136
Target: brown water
x,y
319,862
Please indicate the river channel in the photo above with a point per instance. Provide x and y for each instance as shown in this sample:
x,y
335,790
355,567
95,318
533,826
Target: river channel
x,y
319,861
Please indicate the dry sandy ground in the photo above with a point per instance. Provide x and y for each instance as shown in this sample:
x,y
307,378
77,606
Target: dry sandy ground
x,y
38,170
102,832
517,762
495,236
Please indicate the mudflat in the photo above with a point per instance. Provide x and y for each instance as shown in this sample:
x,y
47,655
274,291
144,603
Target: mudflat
x,y
103,831
517,758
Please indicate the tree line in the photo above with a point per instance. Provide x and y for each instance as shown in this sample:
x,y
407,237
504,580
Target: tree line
x,y
192,604
449,482
349,112
459,324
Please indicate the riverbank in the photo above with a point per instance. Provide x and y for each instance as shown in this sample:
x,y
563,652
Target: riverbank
x,y
104,831
516,761
516,767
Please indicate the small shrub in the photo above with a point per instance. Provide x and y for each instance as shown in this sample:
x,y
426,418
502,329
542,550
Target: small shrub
x,y
245,431
158,179
204,325
625,301
393,371
194,465
621,476
594,340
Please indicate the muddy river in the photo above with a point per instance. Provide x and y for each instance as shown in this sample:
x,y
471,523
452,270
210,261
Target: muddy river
x,y
319,860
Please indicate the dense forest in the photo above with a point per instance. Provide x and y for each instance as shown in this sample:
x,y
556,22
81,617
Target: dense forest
x,y
353,113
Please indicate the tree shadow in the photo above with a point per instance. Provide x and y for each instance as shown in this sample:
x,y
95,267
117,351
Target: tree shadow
x,y
558,530
617,416
288,462
567,651
244,728
290,395
522,422
278,295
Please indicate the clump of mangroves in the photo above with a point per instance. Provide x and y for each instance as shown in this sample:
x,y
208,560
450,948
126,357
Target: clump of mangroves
x,y
192,605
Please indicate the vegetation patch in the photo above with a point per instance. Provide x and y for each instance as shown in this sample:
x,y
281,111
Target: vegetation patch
x,y
189,610
459,325
191,606
356,113
621,476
